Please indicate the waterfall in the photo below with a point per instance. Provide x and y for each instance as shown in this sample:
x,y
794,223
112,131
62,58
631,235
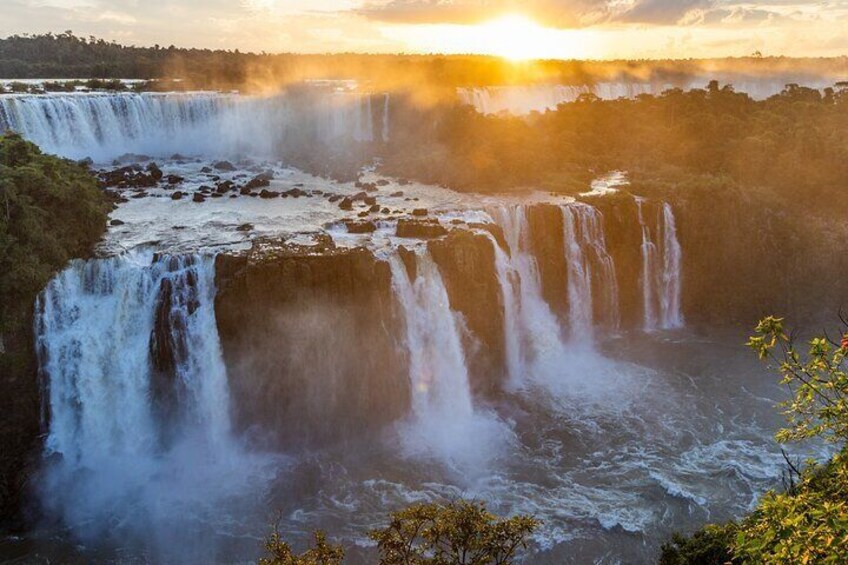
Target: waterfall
x,y
106,125
661,269
385,136
532,332
137,396
587,259
444,422
524,99
670,313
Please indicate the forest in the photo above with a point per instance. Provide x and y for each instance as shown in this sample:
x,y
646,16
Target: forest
x,y
69,56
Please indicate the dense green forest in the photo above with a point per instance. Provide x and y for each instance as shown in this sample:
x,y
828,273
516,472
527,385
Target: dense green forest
x,y
65,55
51,210
793,143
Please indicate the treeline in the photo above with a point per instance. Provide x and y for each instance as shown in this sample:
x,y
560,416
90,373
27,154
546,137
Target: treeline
x,y
65,55
793,144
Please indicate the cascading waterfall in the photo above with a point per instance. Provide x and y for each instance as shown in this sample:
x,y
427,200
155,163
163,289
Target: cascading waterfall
x,y
587,257
106,125
138,400
532,332
670,312
385,131
661,269
445,423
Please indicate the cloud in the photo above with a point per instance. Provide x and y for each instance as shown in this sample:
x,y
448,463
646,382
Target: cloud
x,y
555,13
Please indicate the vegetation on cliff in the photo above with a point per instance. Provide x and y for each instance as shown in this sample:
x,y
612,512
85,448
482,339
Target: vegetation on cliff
x,y
51,210
808,521
457,533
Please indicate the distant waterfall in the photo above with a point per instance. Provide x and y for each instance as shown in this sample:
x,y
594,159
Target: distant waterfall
x,y
587,257
524,99
661,269
532,331
105,125
444,421
385,131
137,394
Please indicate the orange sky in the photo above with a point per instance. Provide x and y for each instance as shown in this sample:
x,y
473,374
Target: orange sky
x,y
598,29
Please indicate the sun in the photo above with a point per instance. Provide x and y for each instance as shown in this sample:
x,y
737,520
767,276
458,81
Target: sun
x,y
516,37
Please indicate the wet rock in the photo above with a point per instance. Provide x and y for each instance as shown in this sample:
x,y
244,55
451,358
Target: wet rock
x,y
174,179
370,201
206,170
224,166
346,204
335,198
268,194
420,212
244,191
198,197
154,171
177,195
259,181
140,195
420,229
358,227
225,186
216,195
397,194
116,222
245,227
374,209
383,182
178,157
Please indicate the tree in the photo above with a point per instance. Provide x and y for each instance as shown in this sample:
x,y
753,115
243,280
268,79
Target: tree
x,y
280,553
459,533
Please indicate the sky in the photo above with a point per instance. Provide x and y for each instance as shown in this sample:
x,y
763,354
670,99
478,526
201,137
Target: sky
x,y
593,29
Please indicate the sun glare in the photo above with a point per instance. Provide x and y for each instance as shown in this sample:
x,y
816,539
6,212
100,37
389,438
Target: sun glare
x,y
516,37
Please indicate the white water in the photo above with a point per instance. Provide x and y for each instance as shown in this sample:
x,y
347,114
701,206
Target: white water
x,y
444,422
106,125
536,351
132,452
521,100
385,131
661,269
532,332
587,257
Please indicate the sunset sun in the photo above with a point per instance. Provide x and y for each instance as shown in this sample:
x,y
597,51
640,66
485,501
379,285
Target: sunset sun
x,y
516,37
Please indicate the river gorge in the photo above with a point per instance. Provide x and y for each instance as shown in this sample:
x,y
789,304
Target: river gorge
x,y
252,342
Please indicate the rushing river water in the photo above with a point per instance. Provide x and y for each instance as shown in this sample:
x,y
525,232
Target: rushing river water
x,y
612,436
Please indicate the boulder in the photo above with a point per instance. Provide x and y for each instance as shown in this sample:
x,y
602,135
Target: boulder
x,y
420,229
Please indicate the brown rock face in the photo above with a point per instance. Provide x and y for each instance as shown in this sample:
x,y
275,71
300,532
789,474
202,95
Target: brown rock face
x,y
467,263
548,247
310,339
624,244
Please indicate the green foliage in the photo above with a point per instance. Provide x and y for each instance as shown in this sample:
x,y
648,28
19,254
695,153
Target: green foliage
x,y
709,546
51,210
460,533
807,525
322,553
818,381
